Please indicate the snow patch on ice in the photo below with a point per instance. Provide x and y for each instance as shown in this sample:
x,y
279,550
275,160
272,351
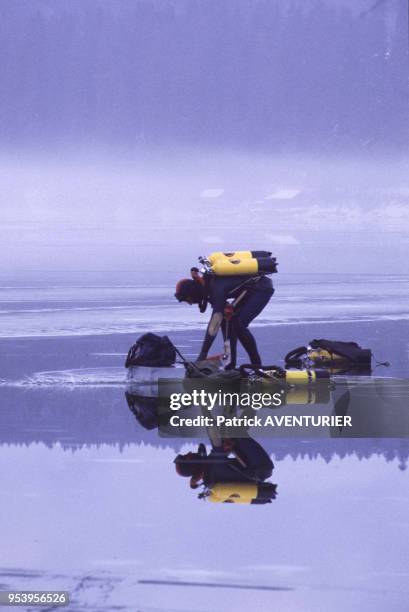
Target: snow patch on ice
x,y
211,193
89,377
283,194
283,239
212,239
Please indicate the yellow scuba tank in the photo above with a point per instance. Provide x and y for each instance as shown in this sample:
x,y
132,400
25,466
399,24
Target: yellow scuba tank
x,y
323,356
275,374
299,387
235,263
213,257
300,377
334,363
245,266
296,377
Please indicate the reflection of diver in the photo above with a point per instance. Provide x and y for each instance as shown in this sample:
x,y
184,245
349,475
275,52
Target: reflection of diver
x,y
238,479
225,478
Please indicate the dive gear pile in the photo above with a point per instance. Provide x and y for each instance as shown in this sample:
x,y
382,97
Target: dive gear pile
x,y
330,353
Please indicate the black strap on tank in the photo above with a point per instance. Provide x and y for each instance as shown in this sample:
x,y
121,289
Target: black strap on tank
x,y
248,283
293,358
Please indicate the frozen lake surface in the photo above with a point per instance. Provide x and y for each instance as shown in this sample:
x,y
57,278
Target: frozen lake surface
x,y
91,502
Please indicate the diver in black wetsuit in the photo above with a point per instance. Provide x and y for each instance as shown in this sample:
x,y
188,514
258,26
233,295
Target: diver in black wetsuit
x,y
250,296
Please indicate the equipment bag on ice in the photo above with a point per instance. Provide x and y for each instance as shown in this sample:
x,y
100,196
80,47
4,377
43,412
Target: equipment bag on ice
x,y
151,350
330,353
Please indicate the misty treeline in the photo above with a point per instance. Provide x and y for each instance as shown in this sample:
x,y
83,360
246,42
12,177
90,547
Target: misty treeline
x,y
268,74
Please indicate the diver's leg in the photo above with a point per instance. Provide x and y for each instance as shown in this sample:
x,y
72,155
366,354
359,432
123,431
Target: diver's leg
x,y
251,308
253,305
247,340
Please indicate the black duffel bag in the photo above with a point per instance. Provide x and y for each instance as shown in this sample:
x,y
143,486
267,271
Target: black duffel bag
x,y
151,350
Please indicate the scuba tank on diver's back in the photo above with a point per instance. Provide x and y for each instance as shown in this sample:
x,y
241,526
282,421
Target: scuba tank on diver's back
x,y
213,257
235,263
251,266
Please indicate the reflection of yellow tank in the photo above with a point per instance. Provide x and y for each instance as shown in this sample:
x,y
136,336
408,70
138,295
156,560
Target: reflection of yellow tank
x,y
304,395
213,257
242,492
250,265
233,492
